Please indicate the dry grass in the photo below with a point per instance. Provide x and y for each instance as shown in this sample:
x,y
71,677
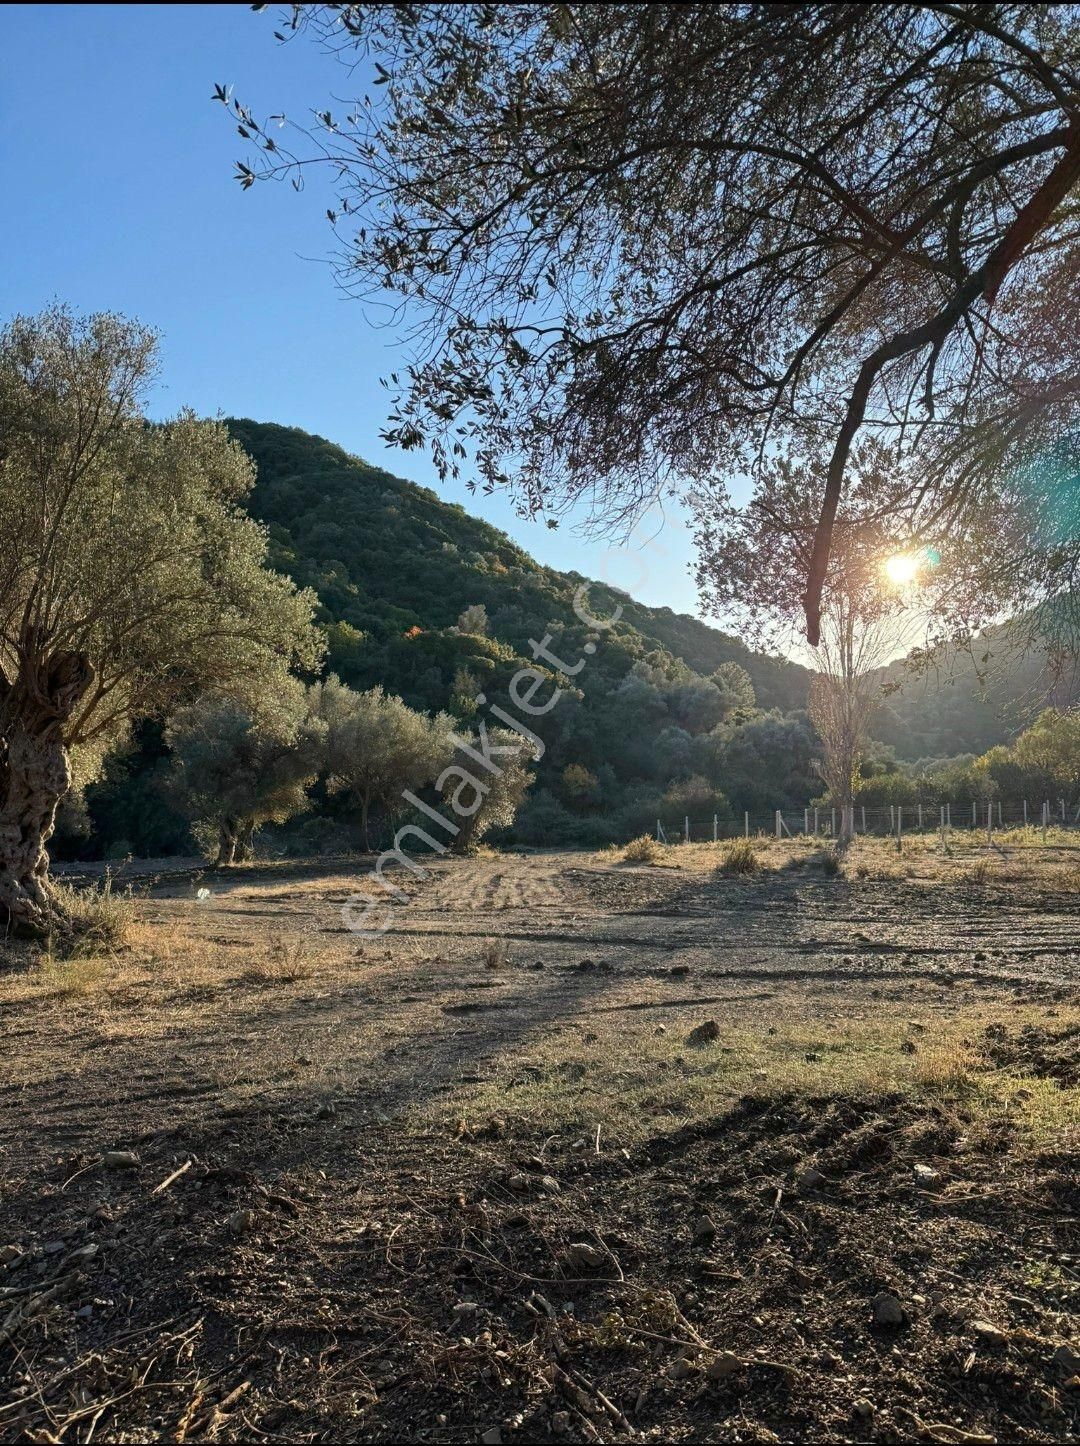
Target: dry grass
x,y
495,954
740,857
102,918
285,961
628,1081
643,850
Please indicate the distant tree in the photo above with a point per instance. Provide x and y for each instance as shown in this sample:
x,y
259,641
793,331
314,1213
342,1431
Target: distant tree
x,y
580,787
237,766
463,691
639,243
377,747
736,688
130,579
762,762
1052,746
753,560
474,620
496,802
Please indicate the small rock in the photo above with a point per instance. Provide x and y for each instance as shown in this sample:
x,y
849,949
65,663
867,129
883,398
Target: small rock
x,y
492,1437
120,1160
680,1369
585,1257
660,1029
704,1033
864,1409
518,1182
548,1184
909,1047
927,1177
888,1312
810,1179
704,1230
560,1422
54,1247
1067,1359
989,1333
723,1365
10,1253
466,1307
241,1222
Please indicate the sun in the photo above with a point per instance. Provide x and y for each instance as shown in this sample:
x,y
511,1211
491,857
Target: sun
x,y
902,568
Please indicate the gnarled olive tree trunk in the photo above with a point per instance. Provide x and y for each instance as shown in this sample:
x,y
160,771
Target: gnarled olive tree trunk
x,y
234,841
35,773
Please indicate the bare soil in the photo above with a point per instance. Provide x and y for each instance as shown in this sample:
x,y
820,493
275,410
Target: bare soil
x,y
425,1189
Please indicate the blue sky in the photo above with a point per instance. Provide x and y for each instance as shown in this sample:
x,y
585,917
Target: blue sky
x,y
117,194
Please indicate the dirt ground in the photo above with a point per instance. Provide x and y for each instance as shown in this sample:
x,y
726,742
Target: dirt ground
x,y
579,1151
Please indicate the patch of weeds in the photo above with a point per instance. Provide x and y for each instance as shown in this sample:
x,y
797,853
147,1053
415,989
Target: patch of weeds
x,y
101,919
643,850
495,954
284,962
72,977
740,857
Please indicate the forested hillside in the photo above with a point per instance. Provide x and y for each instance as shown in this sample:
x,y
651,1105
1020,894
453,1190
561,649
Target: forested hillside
x,y
670,717
387,557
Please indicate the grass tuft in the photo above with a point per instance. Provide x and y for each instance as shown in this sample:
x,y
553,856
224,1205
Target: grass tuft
x,y
740,857
643,850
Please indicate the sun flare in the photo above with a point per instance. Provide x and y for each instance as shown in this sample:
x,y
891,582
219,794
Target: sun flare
x,y
901,568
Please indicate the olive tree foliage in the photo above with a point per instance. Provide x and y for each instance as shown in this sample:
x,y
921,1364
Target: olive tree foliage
x,y
481,799
641,245
130,578
238,765
377,747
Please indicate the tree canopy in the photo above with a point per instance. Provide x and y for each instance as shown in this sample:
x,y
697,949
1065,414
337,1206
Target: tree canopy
x,y
130,576
642,245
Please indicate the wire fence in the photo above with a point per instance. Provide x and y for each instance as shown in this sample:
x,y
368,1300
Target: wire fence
x,y
888,821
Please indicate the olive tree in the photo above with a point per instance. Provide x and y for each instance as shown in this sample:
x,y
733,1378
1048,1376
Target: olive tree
x,y
130,577
238,765
377,747
487,798
640,245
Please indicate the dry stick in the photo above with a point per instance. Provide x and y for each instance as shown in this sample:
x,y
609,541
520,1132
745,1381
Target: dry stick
x,y
171,1179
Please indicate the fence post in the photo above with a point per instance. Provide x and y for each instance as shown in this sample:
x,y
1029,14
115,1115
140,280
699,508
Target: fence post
x,y
815,823
715,828
999,814
1062,801
806,820
919,811
1046,819
863,807
974,815
777,823
1025,813
899,823
746,823
942,828
686,827
989,823
948,814
832,823
658,830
